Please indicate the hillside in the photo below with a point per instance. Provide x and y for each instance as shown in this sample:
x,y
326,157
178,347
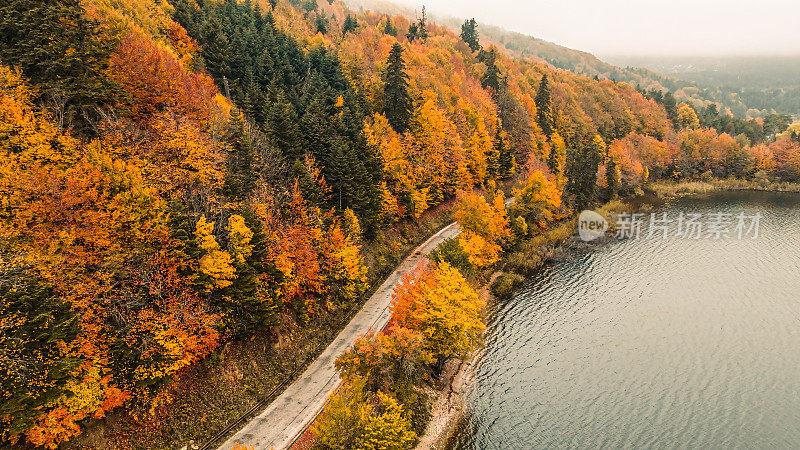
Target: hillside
x,y
687,87
196,195
762,82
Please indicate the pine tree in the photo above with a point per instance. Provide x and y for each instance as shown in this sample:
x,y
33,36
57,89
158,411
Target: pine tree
x,y
321,23
557,157
63,53
397,104
389,28
422,26
544,107
35,365
241,177
505,156
418,29
350,24
469,34
612,177
671,106
491,77
582,164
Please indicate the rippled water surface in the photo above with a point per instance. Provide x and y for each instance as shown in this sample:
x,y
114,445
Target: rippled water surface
x,y
671,343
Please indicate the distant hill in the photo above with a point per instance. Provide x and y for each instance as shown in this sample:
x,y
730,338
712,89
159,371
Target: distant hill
x,y
762,82
689,89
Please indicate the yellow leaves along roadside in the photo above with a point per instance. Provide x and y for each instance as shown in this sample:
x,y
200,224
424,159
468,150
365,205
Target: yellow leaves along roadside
x,y
440,305
483,227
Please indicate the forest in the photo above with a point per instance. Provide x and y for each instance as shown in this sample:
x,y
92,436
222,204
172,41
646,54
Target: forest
x,y
183,178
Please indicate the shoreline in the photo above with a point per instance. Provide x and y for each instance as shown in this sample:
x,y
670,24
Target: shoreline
x,y
448,409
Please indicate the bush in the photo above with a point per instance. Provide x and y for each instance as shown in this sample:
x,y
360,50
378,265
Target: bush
x,y
450,251
505,285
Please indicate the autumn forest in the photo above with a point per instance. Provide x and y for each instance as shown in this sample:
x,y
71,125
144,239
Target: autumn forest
x,y
185,182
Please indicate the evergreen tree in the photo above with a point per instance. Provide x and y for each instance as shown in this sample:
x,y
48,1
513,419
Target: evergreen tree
x,y
389,28
582,164
491,77
422,26
469,34
671,106
506,163
241,165
612,177
557,156
412,32
63,53
397,104
418,29
544,107
350,24
34,367
321,23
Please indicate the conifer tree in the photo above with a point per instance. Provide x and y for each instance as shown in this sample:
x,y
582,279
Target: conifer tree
x,y
544,107
491,78
582,164
350,24
35,364
469,34
62,52
389,28
506,164
612,177
557,157
397,104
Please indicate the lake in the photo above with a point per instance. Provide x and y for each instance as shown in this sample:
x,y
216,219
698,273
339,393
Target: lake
x,y
650,342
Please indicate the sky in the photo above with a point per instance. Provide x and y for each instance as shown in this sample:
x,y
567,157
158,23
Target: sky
x,y
644,27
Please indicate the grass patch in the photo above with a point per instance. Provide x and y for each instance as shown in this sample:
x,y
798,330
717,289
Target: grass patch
x,y
671,189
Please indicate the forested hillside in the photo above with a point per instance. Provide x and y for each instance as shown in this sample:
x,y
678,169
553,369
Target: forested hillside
x,y
184,179
698,89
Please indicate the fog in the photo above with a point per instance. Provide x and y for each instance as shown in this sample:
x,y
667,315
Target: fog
x,y
614,27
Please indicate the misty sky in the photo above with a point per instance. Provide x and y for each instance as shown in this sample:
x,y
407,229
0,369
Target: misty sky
x,y
672,27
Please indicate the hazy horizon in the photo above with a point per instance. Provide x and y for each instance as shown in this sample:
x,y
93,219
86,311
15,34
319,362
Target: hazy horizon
x,y
629,28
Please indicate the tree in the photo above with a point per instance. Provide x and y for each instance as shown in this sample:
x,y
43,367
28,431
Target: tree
x,y
506,163
612,177
687,117
320,22
35,363
670,105
418,29
62,52
389,28
557,157
389,430
544,107
491,77
443,307
469,34
537,198
483,226
397,104
350,24
582,164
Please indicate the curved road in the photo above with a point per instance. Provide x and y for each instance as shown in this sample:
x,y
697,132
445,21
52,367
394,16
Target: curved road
x,y
282,422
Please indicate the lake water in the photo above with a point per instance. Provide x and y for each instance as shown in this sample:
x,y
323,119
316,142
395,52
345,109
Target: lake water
x,y
651,343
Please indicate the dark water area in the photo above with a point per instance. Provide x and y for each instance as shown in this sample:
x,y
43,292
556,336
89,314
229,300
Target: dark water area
x,y
651,342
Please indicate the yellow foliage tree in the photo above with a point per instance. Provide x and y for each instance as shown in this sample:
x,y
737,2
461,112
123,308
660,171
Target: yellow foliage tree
x,y
239,237
483,226
442,306
538,197
216,263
